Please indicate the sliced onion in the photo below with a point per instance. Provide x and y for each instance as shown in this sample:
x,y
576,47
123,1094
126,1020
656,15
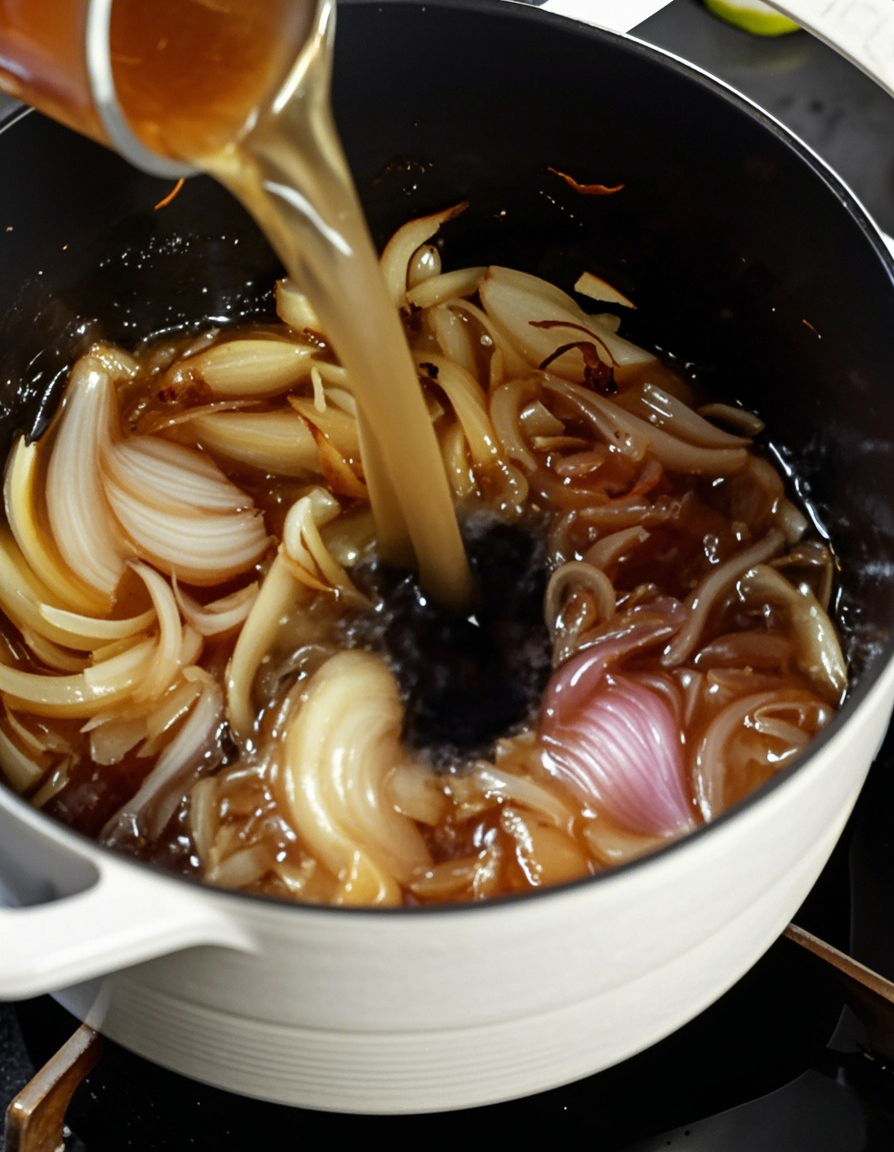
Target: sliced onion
x,y
165,663
77,509
248,366
81,694
21,769
196,524
277,599
30,605
172,476
468,402
448,286
220,616
817,646
519,301
616,743
399,250
294,308
335,779
598,289
161,792
277,442
715,585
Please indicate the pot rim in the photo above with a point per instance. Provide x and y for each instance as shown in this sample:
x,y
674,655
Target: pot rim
x,y
516,10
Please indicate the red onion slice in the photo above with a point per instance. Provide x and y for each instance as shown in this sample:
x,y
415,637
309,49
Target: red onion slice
x,y
617,743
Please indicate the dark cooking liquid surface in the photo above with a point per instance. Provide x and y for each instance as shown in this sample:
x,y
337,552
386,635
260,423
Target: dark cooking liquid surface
x,y
466,679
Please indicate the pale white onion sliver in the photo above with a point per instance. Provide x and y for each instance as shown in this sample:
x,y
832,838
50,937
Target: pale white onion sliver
x,y
220,616
86,632
128,723
454,337
336,379
56,781
511,362
111,741
417,793
280,593
191,648
77,510
533,794
240,869
659,406
79,694
174,705
506,405
425,263
45,740
468,402
30,605
203,818
164,788
337,425
54,656
172,476
792,521
301,542
200,548
166,662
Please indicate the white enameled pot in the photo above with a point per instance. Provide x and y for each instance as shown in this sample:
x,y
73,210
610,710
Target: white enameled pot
x,y
396,1012
732,235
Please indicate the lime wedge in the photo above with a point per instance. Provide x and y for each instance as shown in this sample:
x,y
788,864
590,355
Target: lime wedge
x,y
753,16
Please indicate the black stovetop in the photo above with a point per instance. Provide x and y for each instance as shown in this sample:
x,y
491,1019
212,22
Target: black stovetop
x,y
778,1064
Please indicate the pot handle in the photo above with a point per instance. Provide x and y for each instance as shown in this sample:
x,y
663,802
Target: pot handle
x,y
121,915
863,33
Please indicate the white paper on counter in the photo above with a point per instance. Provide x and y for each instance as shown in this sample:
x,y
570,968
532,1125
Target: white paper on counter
x,y
616,15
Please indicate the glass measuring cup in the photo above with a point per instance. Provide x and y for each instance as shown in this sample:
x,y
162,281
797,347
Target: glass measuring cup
x,y
163,82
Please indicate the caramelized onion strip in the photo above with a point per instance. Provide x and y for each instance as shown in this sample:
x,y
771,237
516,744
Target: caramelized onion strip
x,y
715,585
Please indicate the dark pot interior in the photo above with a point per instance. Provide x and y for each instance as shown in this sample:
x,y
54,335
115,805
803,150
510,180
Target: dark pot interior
x,y
748,261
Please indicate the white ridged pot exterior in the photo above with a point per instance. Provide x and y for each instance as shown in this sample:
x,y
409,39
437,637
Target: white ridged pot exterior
x,y
424,1010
